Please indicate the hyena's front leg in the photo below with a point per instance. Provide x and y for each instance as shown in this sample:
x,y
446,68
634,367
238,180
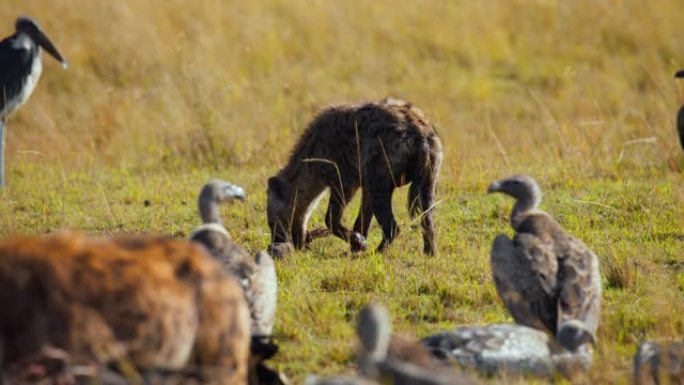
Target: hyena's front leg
x,y
381,201
333,218
363,221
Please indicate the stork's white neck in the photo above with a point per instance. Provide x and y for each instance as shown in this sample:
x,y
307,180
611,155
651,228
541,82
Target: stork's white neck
x,y
22,41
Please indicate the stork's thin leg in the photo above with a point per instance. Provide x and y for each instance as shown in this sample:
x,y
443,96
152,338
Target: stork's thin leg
x,y
2,153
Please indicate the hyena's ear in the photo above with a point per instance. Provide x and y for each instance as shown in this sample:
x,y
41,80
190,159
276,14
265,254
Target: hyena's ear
x,y
278,187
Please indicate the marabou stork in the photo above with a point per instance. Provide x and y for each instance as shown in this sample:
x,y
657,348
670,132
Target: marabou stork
x,y
680,114
20,68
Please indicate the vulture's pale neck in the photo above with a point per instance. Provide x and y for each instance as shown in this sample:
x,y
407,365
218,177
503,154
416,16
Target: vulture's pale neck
x,y
526,203
209,207
374,331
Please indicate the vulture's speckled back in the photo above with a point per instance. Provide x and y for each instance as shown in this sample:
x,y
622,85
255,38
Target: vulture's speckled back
x,y
544,276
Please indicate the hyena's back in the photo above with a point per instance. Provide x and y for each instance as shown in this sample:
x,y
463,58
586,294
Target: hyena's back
x,y
392,137
377,146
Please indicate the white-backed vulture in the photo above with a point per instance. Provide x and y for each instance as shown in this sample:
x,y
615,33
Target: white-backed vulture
x,y
256,274
509,349
544,276
386,359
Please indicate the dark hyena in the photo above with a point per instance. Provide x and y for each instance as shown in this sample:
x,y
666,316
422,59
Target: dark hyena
x,y
377,146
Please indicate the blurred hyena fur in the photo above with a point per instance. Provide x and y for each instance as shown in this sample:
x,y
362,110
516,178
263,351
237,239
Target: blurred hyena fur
x,y
153,302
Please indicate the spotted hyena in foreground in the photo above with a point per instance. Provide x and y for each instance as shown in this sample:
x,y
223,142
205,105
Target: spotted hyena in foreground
x,y
153,303
377,146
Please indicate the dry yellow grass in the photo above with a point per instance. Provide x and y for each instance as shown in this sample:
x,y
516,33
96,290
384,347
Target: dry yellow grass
x,y
162,94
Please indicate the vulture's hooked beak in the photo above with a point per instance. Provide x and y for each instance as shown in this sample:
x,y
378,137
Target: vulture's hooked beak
x,y
232,191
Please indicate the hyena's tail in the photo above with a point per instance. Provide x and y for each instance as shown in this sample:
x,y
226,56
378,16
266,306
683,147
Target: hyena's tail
x,y
421,193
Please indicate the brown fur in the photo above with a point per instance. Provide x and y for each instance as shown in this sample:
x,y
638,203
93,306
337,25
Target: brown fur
x,y
407,349
156,303
376,146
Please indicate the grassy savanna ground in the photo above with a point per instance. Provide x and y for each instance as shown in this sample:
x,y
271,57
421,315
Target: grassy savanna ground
x,y
163,94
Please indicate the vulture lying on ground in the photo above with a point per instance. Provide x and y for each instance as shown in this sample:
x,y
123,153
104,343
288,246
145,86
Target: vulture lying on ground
x,y
386,359
509,349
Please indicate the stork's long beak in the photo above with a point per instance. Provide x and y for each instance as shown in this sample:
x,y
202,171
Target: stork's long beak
x,y
494,187
43,41
679,74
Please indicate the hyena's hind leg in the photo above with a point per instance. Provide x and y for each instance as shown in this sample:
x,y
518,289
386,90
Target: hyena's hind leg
x,y
333,218
421,195
424,204
381,201
365,217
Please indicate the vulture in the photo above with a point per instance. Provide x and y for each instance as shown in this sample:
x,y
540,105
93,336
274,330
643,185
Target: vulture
x,y
386,359
256,274
509,349
544,276
659,363
680,114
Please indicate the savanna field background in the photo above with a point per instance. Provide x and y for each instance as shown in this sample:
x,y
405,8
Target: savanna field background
x,y
161,95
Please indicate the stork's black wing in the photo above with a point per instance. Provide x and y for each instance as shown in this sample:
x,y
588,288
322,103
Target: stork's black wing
x,y
15,66
680,126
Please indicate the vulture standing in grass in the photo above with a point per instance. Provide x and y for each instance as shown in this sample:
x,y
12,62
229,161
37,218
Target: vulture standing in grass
x,y
680,114
509,349
659,363
256,274
544,276
385,359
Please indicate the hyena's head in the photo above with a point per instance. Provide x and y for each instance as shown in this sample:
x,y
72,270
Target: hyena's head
x,y
280,207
